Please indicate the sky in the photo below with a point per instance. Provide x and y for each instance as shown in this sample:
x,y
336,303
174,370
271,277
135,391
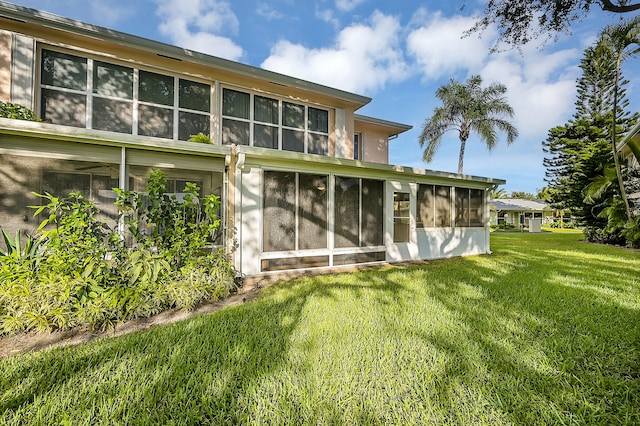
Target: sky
x,y
396,52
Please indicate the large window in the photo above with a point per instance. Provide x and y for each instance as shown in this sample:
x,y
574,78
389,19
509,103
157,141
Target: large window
x,y
359,212
85,92
250,119
469,207
294,211
434,206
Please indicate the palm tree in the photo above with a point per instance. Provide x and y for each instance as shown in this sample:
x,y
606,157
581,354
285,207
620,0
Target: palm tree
x,y
498,193
465,108
623,39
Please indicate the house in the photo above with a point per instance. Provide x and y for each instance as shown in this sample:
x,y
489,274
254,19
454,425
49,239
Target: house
x,y
519,212
304,179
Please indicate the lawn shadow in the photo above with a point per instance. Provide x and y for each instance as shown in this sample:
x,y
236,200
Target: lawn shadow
x,y
536,328
202,368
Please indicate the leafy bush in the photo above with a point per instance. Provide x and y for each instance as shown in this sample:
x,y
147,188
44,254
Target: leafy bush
x,y
80,271
18,112
200,138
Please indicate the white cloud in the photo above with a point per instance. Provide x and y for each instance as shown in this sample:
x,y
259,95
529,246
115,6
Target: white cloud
x,y
540,87
193,24
267,12
439,48
348,5
364,57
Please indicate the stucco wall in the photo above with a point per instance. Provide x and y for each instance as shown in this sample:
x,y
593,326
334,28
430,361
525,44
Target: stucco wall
x,y
5,66
375,144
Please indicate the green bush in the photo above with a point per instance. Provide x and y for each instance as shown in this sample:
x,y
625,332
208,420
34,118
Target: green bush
x,y
18,112
81,272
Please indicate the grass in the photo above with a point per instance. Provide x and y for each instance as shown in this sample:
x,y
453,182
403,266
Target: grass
x,y
544,331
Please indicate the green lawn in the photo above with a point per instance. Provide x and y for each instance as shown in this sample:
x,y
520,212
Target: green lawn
x,y
544,331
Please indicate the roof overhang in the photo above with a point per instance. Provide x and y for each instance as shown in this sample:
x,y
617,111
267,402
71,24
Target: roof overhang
x,y
391,127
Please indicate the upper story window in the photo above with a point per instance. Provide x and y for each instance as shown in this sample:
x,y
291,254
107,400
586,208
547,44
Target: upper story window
x,y
250,119
85,92
357,146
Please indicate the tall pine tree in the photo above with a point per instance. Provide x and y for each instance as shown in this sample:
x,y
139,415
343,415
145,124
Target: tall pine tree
x,y
580,151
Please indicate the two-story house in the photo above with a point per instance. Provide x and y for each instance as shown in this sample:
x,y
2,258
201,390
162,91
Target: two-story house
x,y
305,180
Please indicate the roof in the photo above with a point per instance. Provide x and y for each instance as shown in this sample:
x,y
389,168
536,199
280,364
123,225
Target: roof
x,y
392,127
37,17
518,204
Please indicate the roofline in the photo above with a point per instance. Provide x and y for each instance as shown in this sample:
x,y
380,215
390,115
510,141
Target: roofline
x,y
33,16
400,127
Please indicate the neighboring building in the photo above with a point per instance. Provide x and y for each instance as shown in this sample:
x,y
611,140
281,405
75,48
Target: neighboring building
x,y
519,212
305,181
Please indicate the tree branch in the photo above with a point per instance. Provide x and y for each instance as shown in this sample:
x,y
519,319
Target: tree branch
x,y
610,7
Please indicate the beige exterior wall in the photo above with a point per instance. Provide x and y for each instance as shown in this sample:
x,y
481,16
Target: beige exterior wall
x,y
5,66
375,143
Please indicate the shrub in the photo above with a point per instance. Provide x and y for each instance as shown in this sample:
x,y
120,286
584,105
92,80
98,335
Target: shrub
x,y
18,112
79,271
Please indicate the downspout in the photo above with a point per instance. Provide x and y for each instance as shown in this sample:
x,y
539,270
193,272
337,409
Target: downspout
x,y
487,221
234,162
230,231
123,184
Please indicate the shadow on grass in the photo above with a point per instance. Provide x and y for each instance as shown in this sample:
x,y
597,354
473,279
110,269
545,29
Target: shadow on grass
x,y
543,331
192,372
546,333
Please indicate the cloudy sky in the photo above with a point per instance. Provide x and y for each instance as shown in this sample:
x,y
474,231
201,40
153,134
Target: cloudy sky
x,y
396,52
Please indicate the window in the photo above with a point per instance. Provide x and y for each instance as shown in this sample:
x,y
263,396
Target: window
x,y
442,204
85,92
401,217
357,146
425,206
260,121
476,207
294,211
359,213
469,207
433,206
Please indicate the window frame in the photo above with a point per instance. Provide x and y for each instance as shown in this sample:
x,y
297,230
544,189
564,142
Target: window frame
x,y
436,200
299,221
91,94
281,127
464,194
362,222
358,146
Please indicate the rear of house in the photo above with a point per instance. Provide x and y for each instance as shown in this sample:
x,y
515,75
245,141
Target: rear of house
x,y
304,180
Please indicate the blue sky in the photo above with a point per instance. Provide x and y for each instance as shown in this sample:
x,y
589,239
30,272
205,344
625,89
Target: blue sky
x,y
396,52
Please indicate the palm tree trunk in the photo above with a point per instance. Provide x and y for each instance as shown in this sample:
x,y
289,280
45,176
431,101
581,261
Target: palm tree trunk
x,y
463,142
614,143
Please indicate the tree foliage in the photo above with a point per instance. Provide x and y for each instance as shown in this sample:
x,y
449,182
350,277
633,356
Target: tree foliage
x,y
521,21
580,163
468,108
